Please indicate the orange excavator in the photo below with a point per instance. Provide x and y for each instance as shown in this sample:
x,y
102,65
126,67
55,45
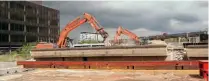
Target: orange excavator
x,y
125,32
71,26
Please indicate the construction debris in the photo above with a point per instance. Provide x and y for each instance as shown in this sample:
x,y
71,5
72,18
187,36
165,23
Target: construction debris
x,y
175,51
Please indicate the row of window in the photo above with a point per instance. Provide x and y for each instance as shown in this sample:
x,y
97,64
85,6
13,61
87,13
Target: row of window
x,y
13,38
4,15
19,27
21,38
16,6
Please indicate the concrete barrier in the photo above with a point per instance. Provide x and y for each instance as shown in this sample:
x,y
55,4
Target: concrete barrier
x,y
10,68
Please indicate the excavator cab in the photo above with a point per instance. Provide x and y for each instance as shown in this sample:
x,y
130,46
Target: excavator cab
x,y
45,45
69,42
120,31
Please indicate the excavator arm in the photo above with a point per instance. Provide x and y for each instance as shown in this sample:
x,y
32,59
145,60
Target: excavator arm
x,y
76,23
69,27
61,43
120,31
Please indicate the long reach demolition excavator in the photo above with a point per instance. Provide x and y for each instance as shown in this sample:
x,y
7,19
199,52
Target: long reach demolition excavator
x,y
62,41
131,35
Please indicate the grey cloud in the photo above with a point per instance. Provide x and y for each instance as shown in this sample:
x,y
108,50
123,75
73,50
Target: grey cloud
x,y
187,18
202,3
154,16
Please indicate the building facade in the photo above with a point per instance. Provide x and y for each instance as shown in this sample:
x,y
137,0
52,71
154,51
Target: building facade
x,y
22,22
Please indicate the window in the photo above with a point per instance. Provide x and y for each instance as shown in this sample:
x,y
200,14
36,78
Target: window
x,y
4,38
17,27
3,26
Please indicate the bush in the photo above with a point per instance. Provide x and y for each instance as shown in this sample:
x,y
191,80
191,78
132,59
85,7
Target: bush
x,y
22,53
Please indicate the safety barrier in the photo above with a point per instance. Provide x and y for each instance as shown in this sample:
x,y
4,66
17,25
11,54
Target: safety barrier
x,y
134,65
203,68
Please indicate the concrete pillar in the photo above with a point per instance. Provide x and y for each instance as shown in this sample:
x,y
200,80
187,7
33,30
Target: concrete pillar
x,y
8,4
48,22
9,26
10,50
38,34
187,34
179,40
49,35
49,39
49,31
25,39
9,30
37,20
9,37
53,40
8,10
25,30
24,18
37,12
24,8
37,38
38,29
8,15
24,15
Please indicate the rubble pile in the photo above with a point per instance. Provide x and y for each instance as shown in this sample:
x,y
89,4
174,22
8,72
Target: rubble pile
x,y
175,51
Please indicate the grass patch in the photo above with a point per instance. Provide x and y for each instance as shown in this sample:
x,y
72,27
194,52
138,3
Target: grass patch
x,y
20,54
7,58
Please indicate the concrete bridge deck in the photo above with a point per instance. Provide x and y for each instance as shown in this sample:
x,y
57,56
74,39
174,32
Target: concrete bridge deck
x,y
152,52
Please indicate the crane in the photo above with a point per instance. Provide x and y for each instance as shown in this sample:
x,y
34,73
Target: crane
x,y
62,41
120,31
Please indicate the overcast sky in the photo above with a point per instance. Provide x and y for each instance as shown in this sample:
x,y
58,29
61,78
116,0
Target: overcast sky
x,y
141,17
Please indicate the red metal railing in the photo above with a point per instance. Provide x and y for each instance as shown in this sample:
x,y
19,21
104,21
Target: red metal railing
x,y
106,64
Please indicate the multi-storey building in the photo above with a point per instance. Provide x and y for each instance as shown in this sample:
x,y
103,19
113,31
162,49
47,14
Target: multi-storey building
x,y
22,22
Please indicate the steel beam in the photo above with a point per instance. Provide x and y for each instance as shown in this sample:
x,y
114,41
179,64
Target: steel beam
x,y
146,65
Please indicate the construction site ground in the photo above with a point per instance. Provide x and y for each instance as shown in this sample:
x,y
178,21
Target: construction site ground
x,y
103,75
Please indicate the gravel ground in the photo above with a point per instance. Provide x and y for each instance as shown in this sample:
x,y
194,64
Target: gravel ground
x,y
102,75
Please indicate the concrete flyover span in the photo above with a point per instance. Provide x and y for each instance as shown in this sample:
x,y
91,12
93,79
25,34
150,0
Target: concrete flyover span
x,y
132,53
198,52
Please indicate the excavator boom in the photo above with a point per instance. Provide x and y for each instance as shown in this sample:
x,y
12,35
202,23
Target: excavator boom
x,y
120,31
76,23
61,43
69,27
94,23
